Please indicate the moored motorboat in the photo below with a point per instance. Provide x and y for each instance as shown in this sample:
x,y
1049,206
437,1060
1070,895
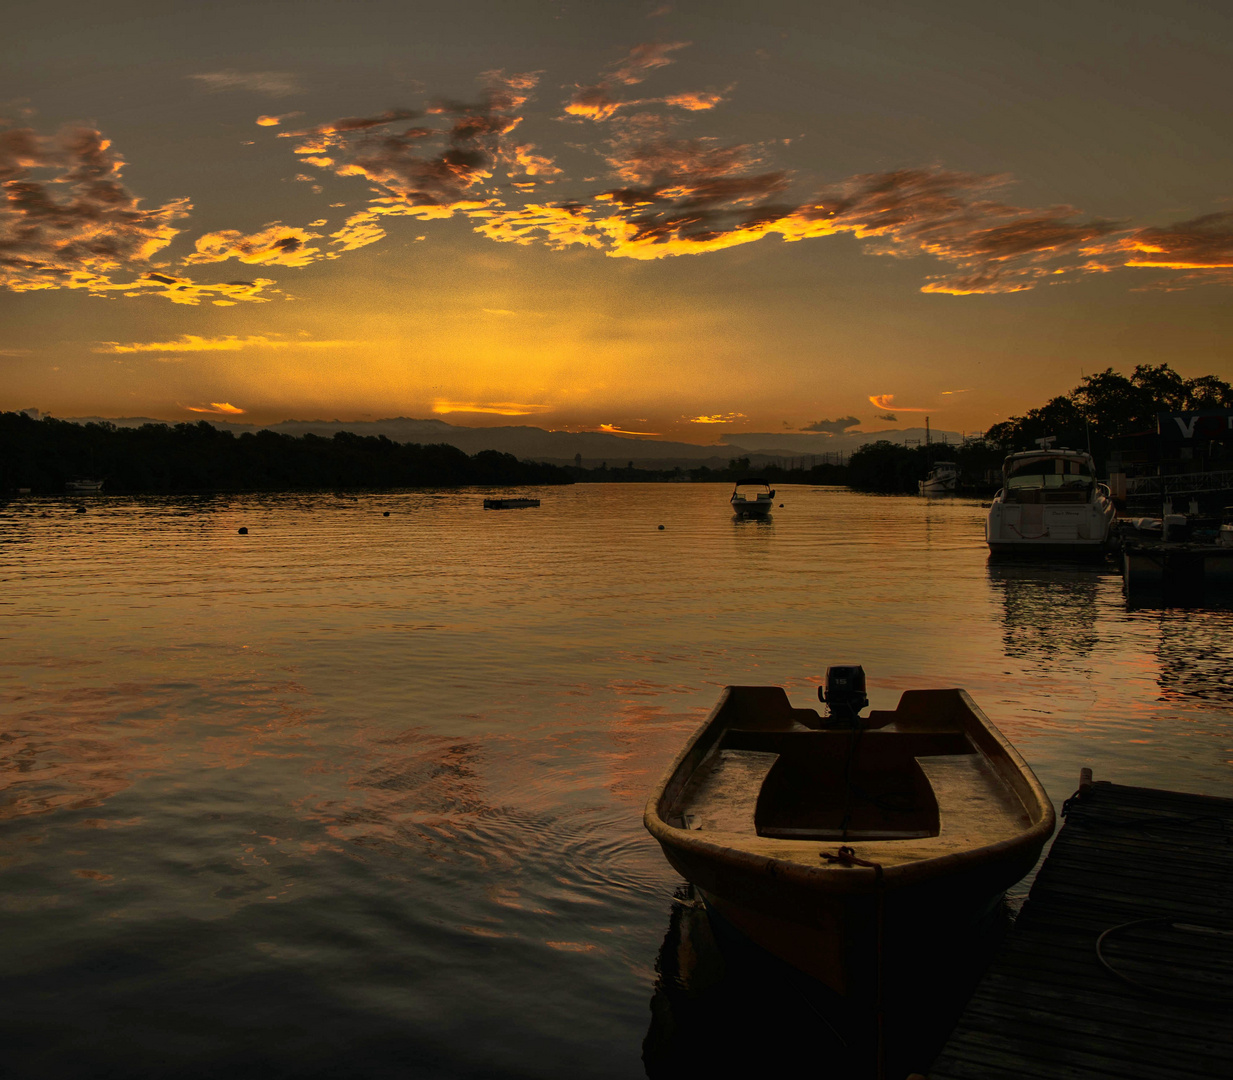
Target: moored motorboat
x,y
848,845
83,487
1050,502
752,502
942,479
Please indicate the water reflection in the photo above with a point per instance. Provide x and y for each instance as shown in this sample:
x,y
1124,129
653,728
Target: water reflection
x,y
720,1004
1049,612
1195,656
730,1012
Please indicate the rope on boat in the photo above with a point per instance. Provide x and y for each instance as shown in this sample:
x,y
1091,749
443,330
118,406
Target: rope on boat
x,y
847,856
1038,536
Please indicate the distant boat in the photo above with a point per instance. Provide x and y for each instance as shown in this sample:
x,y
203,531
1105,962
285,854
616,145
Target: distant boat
x,y
752,503
833,843
941,480
83,487
1050,501
509,504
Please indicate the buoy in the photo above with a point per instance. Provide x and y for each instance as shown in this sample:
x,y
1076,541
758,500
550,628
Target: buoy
x,y
781,506
81,509
661,528
386,514
243,530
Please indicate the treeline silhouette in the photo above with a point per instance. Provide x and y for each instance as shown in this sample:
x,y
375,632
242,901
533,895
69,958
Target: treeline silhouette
x,y
737,469
43,455
890,468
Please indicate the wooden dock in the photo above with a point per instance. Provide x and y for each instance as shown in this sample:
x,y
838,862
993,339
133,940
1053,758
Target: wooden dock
x,y
1155,1002
1184,571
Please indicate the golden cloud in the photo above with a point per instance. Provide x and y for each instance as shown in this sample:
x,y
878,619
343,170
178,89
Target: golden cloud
x,y
497,408
227,343
610,429
223,407
716,418
275,245
886,402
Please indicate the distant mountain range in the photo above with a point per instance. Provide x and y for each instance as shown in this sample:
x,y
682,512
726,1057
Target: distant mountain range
x,y
562,447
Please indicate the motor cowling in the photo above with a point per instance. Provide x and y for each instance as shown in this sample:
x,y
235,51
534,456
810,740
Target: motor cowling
x,y
844,692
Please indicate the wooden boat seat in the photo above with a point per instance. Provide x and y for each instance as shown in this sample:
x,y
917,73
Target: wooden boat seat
x,y
723,794
918,786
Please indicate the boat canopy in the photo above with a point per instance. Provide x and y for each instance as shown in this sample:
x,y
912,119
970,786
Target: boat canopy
x,y
1046,470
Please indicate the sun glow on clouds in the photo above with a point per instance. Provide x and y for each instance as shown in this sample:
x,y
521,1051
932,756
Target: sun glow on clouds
x,y
716,418
610,429
67,220
496,408
886,402
224,408
227,343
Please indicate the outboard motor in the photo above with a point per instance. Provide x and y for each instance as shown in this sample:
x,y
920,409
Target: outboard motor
x,y
844,693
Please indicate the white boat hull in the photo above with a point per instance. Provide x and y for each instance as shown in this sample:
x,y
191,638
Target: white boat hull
x,y
1063,528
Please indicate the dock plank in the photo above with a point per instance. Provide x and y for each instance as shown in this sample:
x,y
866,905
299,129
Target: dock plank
x,y
1047,1009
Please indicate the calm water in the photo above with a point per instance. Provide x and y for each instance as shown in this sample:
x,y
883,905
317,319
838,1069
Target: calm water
x,y
357,795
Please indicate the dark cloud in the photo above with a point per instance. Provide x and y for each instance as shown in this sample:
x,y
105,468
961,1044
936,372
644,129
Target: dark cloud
x,y
447,163
598,101
832,427
67,221
1203,246
886,416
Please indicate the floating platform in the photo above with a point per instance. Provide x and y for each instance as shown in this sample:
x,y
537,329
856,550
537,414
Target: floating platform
x,y
1190,572
510,504
1121,962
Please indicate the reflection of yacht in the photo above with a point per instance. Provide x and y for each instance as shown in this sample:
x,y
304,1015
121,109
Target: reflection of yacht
x,y
83,487
834,843
1049,502
751,503
942,479
1049,609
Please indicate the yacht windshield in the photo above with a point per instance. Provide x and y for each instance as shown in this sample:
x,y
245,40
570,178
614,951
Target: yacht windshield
x,y
1049,472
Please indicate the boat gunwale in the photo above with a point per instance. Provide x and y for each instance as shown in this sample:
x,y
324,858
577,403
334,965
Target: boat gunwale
x,y
839,878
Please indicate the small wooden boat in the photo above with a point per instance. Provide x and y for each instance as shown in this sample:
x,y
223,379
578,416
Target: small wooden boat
x,y
510,504
83,487
847,846
750,502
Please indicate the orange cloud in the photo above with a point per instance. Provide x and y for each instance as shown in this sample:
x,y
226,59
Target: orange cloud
x,y
609,429
227,343
1200,244
717,418
67,220
886,402
434,167
223,407
496,408
275,245
694,100
597,102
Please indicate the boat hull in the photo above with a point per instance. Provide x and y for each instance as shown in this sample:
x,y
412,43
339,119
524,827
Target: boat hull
x,y
752,510
851,908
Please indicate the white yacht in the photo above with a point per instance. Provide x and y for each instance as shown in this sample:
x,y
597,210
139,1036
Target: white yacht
x,y
1050,501
941,480
83,487
752,502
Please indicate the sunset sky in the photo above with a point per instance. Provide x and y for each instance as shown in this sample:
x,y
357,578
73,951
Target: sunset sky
x,y
687,219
